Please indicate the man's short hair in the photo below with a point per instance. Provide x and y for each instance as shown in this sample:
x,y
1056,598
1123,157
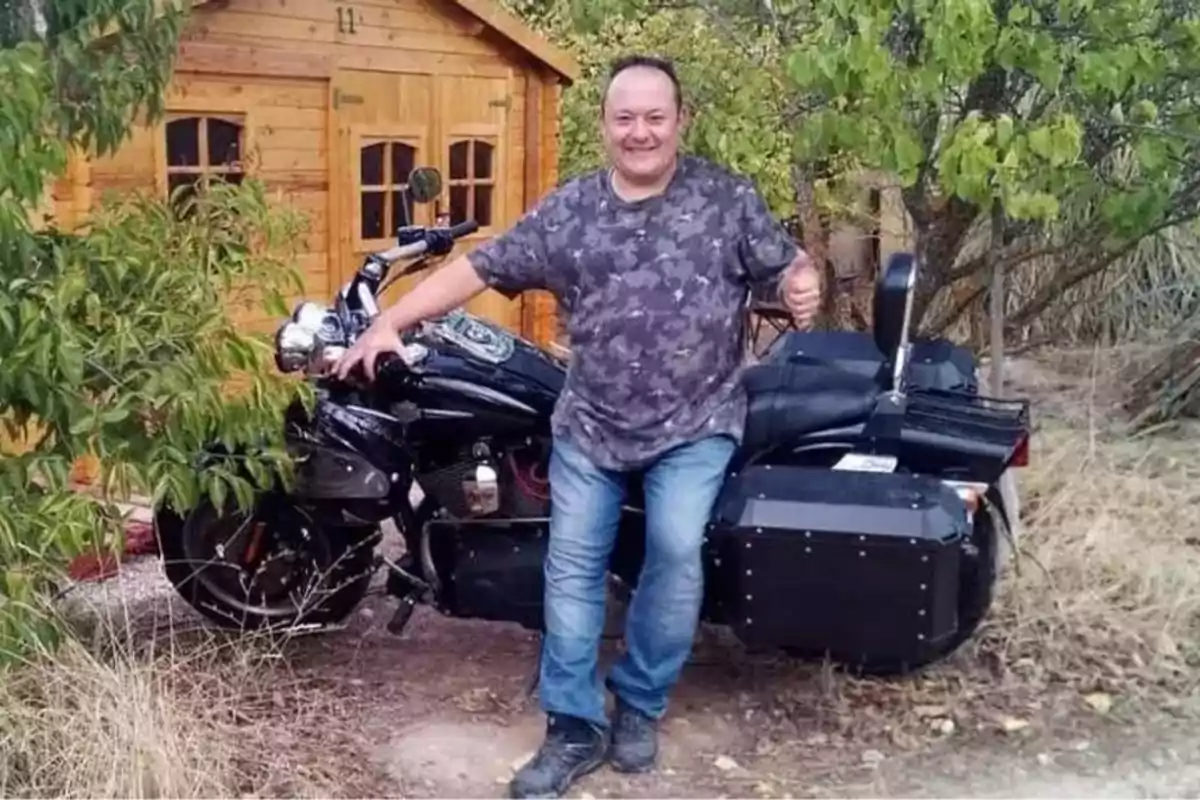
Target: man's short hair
x,y
663,65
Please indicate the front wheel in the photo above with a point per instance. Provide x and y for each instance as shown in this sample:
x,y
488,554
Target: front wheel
x,y
270,567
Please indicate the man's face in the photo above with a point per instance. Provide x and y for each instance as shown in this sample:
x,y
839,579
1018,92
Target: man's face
x,y
641,124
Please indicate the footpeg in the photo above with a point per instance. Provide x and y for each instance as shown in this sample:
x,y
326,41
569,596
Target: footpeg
x,y
402,615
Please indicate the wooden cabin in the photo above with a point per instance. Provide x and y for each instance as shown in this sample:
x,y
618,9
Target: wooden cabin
x,y
333,103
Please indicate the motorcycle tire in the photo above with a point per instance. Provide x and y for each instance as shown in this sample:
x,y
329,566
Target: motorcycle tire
x,y
335,564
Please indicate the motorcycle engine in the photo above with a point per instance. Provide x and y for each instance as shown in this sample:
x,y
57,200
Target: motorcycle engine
x,y
481,491
483,482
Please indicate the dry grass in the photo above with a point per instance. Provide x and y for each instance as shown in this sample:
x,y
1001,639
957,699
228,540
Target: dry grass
x,y
1097,616
80,725
184,716
1105,591
1108,590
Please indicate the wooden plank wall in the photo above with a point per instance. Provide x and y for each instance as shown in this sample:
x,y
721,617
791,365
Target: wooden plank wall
x,y
392,42
540,321
276,62
387,35
285,143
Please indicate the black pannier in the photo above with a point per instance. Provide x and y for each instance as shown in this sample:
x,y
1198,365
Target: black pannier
x,y
858,565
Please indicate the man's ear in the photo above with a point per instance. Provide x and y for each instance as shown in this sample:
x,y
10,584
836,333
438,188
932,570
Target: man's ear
x,y
685,117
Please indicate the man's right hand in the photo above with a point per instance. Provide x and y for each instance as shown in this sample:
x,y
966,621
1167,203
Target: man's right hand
x,y
379,338
448,288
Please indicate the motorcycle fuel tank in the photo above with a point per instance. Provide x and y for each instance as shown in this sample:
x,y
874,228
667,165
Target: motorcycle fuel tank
x,y
474,374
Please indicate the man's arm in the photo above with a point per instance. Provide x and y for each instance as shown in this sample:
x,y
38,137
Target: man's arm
x,y
511,263
767,251
446,289
773,263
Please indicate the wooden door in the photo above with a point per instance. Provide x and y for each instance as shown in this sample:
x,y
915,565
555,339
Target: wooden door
x,y
384,131
389,123
476,161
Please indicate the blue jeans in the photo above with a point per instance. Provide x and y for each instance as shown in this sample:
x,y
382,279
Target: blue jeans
x,y
680,489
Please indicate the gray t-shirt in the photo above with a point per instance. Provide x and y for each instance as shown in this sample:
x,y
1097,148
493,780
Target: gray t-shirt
x,y
655,292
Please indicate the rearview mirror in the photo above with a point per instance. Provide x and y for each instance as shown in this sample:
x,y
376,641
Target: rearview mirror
x,y
894,295
424,184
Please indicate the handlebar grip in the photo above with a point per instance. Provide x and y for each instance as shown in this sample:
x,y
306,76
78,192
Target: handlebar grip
x,y
464,228
386,359
383,362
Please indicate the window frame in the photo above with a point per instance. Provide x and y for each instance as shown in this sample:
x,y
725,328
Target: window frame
x,y
360,136
493,135
237,116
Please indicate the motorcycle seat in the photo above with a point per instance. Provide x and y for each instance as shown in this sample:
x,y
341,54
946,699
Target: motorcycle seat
x,y
787,400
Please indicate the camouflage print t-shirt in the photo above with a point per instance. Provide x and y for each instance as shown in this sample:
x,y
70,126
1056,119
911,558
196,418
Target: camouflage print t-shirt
x,y
656,296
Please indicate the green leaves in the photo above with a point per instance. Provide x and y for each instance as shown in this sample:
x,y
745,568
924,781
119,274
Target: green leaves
x,y
120,341
1028,103
1079,117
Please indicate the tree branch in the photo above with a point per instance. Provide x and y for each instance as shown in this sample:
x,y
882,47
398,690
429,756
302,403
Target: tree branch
x,y
953,314
1087,268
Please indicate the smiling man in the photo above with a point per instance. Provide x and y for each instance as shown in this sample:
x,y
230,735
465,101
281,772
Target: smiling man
x,y
651,258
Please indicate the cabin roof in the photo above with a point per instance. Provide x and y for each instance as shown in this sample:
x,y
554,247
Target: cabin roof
x,y
508,25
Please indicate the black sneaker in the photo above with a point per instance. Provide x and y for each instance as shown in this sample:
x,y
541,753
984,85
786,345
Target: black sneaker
x,y
634,740
573,748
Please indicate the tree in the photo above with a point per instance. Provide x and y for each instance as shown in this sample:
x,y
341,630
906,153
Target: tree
x,y
117,340
1077,118
1072,123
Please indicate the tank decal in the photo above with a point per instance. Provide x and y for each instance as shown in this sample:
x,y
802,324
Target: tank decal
x,y
485,342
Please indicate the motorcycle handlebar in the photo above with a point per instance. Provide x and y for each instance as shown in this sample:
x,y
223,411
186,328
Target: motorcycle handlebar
x,y
458,231
464,228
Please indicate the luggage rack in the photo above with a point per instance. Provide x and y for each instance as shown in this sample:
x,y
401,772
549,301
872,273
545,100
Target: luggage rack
x,y
981,431
933,406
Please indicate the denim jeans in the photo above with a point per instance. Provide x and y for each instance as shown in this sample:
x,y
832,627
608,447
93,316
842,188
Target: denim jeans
x,y
680,489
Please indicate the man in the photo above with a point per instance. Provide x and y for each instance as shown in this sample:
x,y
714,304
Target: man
x,y
652,259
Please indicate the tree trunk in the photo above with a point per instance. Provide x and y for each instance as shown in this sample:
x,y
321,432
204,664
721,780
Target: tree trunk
x,y
996,297
940,234
815,232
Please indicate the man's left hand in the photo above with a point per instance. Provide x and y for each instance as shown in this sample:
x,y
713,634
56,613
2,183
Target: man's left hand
x,y
800,291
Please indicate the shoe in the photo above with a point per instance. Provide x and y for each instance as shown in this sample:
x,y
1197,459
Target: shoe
x,y
634,740
573,748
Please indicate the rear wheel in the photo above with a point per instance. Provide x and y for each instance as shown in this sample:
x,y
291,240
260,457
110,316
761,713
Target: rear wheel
x,y
271,567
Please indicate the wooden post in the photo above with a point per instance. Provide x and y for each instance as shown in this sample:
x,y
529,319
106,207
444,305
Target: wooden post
x,y
996,300
996,305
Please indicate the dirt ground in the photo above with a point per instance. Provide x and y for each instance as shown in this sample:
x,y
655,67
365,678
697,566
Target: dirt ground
x,y
449,718
444,711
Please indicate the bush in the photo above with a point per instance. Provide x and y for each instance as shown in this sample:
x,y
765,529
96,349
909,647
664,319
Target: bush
x,y
121,342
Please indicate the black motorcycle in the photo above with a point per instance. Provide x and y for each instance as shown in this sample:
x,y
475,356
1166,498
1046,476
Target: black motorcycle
x,y
861,519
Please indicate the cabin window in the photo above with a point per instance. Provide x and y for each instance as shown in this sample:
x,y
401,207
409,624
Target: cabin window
x,y
472,181
203,148
384,167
